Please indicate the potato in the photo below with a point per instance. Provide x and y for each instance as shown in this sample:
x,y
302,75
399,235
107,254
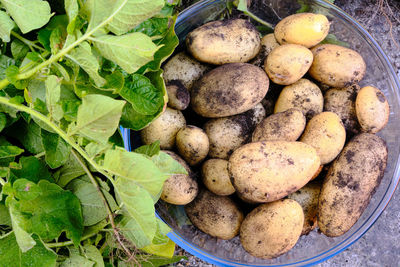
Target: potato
x,y
178,95
307,197
286,64
221,42
214,173
337,66
351,181
164,128
283,126
192,144
268,42
342,102
185,69
325,132
227,134
272,229
304,95
268,171
179,189
305,29
372,109
215,215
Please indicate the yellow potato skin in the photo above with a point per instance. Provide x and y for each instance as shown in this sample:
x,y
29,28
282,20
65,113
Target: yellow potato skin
x,y
286,64
326,133
272,229
305,29
192,144
268,171
215,176
372,109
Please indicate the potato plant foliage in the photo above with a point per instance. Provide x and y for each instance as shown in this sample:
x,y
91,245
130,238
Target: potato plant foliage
x,y
71,72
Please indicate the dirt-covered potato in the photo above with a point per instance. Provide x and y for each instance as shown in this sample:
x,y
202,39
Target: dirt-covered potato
x,y
268,171
192,144
164,128
337,66
185,69
307,197
286,64
228,90
305,29
221,42
283,126
215,215
178,95
227,134
325,132
304,95
372,109
350,183
268,42
214,173
179,189
342,101
272,229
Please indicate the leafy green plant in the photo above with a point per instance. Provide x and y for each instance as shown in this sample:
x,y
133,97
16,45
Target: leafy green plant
x,y
70,193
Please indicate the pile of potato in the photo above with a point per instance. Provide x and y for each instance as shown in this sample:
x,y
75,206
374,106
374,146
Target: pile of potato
x,y
266,145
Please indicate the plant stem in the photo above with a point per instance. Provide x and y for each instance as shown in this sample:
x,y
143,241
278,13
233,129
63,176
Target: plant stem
x,y
68,243
27,42
41,154
2,182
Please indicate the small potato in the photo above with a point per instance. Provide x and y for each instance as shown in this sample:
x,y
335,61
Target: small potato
x,y
216,177
326,133
272,229
221,42
268,171
215,215
372,109
164,128
304,95
227,134
337,66
179,189
350,183
268,42
307,197
229,90
192,144
286,64
342,101
178,95
283,126
305,29
185,69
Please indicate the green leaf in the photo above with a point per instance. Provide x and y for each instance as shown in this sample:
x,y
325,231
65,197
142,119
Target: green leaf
x,y
19,49
161,244
6,25
167,164
94,149
155,261
115,82
3,121
5,62
53,91
149,150
44,38
28,14
72,10
10,151
5,218
70,109
29,136
26,190
76,260
38,256
332,39
98,117
56,148
69,171
130,51
32,169
93,254
153,27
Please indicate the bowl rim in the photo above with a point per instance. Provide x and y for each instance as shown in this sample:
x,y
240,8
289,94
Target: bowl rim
x,y
344,244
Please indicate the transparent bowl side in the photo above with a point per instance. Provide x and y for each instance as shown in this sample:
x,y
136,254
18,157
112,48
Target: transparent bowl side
x,y
314,247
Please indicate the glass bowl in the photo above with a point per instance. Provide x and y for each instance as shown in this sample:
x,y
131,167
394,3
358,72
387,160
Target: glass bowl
x,y
315,247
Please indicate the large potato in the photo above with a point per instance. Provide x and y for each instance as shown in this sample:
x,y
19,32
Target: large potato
x,y
164,129
337,66
215,215
221,42
351,181
283,126
305,29
272,229
372,109
268,43
342,102
326,133
228,90
192,144
227,134
185,69
304,95
268,171
178,95
215,175
179,189
286,64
